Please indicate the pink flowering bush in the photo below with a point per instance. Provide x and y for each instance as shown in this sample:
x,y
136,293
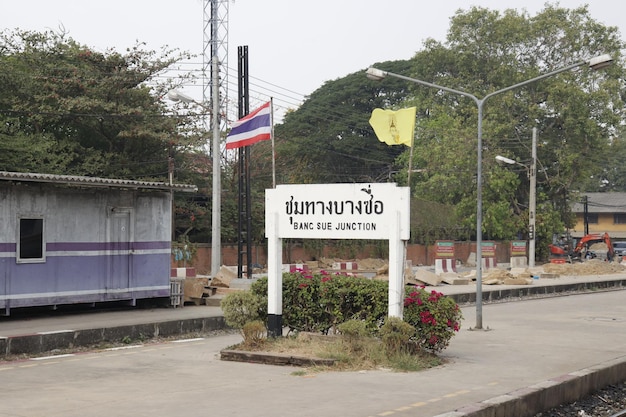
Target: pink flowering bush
x,y
322,301
435,317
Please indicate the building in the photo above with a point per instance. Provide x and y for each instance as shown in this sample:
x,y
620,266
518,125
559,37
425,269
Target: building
x,y
72,239
601,212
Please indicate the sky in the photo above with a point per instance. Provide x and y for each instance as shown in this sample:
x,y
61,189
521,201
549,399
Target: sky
x,y
294,46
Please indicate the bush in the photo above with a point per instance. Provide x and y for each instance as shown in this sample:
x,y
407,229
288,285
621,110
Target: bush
x,y
253,334
434,316
242,307
396,335
355,335
320,302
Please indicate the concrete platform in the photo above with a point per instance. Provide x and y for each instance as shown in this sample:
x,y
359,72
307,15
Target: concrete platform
x,y
547,349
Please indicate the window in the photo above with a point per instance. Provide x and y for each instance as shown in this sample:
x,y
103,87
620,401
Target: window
x,y
592,218
31,243
619,218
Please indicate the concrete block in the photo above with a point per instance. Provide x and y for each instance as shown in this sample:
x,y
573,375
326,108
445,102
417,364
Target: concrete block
x,y
25,344
223,277
427,277
517,281
519,272
455,280
351,266
519,262
471,260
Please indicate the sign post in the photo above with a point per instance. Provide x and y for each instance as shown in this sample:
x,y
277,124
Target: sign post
x,y
336,211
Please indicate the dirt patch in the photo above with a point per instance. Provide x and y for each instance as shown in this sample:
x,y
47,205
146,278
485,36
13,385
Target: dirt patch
x,y
590,267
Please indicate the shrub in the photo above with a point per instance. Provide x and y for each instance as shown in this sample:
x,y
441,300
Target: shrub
x,y
353,329
320,302
253,333
396,335
434,316
242,307
355,335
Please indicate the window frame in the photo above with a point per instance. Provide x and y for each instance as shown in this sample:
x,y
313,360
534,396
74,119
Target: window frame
x,y
18,250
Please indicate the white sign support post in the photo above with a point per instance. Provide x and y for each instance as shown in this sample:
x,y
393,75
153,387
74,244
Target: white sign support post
x,y
274,278
336,211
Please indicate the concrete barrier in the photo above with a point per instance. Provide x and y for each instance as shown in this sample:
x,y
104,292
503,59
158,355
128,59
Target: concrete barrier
x,y
532,400
32,344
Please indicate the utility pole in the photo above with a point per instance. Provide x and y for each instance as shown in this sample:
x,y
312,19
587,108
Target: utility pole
x,y
244,225
532,203
215,89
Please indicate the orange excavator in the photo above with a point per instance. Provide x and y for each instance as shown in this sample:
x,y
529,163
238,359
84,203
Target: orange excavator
x,y
581,250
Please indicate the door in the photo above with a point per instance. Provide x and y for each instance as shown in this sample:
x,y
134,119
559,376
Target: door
x,y
119,250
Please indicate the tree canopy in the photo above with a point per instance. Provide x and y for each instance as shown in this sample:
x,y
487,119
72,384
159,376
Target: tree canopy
x,y
67,109
578,114
70,110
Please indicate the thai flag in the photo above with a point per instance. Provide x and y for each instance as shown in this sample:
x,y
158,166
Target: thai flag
x,y
250,129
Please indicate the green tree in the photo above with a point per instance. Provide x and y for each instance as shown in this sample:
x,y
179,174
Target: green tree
x,y
329,139
575,112
67,109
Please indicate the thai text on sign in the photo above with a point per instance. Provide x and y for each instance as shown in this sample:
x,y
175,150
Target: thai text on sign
x,y
444,249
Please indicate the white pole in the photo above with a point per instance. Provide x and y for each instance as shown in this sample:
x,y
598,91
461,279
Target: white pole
x,y
216,238
532,204
396,270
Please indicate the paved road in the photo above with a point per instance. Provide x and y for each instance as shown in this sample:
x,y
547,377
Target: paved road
x,y
529,342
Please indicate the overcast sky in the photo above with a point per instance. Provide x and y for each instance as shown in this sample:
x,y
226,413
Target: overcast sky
x,y
294,45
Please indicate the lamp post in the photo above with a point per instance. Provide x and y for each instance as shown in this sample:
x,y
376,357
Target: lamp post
x,y
532,195
377,74
216,238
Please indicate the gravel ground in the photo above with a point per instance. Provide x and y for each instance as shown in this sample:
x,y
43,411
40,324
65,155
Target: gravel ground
x,y
603,403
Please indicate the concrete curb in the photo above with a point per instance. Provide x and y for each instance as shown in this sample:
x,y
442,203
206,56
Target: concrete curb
x,y
555,290
529,401
68,339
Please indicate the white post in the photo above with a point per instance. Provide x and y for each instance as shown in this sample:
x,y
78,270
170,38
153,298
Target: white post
x,y
274,278
532,204
216,235
396,270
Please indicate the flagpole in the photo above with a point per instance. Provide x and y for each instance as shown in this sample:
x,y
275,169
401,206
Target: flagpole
x,y
272,137
410,163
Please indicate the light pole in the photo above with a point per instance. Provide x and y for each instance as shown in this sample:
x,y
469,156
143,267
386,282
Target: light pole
x,y
377,74
532,196
216,238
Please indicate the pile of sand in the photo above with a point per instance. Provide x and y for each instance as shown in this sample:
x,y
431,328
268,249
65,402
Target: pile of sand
x,y
590,267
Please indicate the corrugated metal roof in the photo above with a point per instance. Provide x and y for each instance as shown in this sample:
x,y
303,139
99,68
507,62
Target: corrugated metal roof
x,y
93,181
601,203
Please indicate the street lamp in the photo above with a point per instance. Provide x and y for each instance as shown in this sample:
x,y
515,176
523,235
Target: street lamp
x,y
377,74
216,238
532,196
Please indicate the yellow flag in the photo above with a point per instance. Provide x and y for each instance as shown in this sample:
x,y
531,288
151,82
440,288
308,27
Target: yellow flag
x,y
394,127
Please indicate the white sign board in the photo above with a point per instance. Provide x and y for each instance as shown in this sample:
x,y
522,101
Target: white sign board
x,y
335,211
338,211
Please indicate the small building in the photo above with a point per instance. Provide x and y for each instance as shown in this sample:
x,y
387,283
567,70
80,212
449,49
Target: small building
x,y
601,212
73,239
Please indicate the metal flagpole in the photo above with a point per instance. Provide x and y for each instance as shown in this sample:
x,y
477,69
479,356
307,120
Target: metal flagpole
x,y
272,136
408,177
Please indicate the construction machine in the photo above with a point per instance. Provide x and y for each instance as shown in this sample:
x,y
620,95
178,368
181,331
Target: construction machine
x,y
581,251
